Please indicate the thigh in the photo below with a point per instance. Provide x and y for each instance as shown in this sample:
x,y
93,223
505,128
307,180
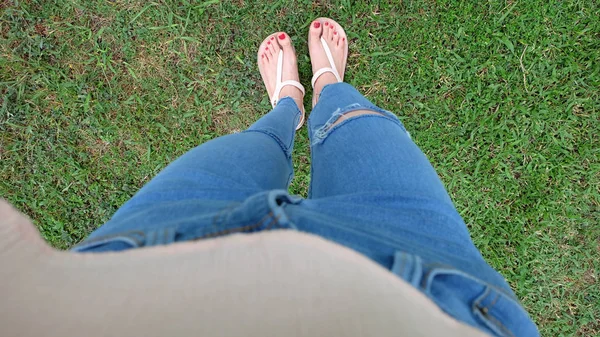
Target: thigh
x,y
365,153
425,244
212,177
370,178
226,168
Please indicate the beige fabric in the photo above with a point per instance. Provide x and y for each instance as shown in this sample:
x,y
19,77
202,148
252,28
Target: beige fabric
x,y
279,283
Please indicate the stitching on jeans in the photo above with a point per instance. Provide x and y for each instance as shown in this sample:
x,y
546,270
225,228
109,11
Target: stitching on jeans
x,y
499,324
494,319
270,224
275,222
477,303
298,117
477,307
426,278
112,236
403,264
220,216
434,266
485,311
494,301
237,229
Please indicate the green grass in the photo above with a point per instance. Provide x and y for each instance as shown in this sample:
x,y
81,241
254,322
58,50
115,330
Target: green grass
x,y
97,96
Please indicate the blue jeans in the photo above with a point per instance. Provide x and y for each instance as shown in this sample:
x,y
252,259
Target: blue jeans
x,y
372,190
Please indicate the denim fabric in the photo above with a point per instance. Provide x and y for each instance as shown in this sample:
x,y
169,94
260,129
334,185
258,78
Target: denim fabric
x,y
372,190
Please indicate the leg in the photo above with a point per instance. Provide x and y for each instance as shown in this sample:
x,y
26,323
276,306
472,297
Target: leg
x,y
255,160
367,176
215,174
190,196
375,192
372,188
356,146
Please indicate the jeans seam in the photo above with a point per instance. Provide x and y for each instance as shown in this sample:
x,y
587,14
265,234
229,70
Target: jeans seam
x,y
434,267
296,117
489,316
106,238
290,177
499,324
484,310
298,111
312,175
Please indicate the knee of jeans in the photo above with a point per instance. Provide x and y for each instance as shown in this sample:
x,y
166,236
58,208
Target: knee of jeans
x,y
321,133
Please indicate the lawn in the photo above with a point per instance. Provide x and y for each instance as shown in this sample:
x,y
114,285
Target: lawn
x,y
96,97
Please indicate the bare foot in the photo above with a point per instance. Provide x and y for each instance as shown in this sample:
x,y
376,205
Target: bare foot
x,y
268,54
337,42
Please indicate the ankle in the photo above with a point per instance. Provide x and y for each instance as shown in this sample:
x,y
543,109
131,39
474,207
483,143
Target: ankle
x,y
299,100
322,81
299,103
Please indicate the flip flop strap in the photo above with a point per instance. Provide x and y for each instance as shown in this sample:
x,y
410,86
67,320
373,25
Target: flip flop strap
x,y
280,84
332,69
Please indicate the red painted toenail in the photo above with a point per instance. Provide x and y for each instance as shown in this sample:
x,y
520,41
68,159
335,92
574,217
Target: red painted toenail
x,y
272,38
334,33
269,42
267,48
326,23
317,24
343,39
282,36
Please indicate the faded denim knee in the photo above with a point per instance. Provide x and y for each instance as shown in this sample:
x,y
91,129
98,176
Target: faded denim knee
x,y
342,116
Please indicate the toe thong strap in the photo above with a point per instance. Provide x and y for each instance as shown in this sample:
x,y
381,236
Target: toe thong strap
x,y
332,69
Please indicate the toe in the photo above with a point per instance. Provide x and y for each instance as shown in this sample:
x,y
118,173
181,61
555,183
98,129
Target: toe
x,y
286,44
274,48
336,38
284,40
316,29
334,34
288,50
328,30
